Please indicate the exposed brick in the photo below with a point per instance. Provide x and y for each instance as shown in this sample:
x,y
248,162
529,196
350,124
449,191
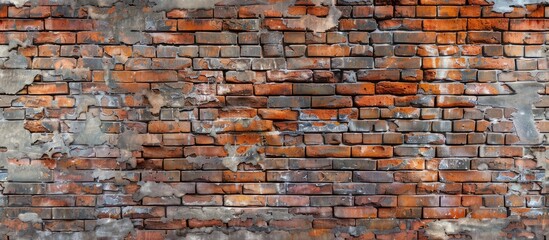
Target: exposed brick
x,y
349,119
445,24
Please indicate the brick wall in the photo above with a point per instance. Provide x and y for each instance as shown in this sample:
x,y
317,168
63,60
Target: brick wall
x,y
289,119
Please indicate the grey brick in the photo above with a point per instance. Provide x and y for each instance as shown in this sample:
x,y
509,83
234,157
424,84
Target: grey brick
x,y
352,62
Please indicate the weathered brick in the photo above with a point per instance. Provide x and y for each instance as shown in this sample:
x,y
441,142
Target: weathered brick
x,y
396,88
308,63
355,212
444,24
364,115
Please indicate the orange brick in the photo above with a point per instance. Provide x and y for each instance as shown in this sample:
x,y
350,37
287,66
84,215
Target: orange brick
x,y
169,127
48,88
374,101
328,151
328,50
445,24
441,88
444,213
199,25
69,24
529,24
465,176
396,88
230,176
372,151
278,114
355,212
355,88
495,24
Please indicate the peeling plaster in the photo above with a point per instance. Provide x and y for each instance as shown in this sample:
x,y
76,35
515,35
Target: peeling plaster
x,y
317,24
257,234
505,6
541,155
476,229
92,134
162,5
29,217
29,173
14,80
154,189
225,214
129,141
234,159
83,102
174,96
113,228
523,97
19,144
102,175
17,3
74,74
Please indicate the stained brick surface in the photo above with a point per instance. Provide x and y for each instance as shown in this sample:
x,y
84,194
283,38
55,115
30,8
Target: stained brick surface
x,y
345,119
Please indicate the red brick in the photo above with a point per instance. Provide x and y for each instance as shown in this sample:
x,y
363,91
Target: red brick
x,y
374,101
444,213
49,88
245,200
442,2
355,88
523,37
328,151
442,88
444,62
401,212
53,201
426,11
495,24
416,176
169,127
205,151
355,212
69,24
328,50
172,38
309,188
372,151
363,11
331,102
287,201
492,63
156,76
415,201
288,151
273,89
456,101
275,114
529,24
396,88
21,25
161,152
445,24
465,176
199,25
328,128
483,213
93,37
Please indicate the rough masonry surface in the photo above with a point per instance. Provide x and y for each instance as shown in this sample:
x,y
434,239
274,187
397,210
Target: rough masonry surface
x,y
274,119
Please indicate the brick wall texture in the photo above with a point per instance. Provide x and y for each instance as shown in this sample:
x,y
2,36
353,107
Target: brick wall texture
x,y
274,119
